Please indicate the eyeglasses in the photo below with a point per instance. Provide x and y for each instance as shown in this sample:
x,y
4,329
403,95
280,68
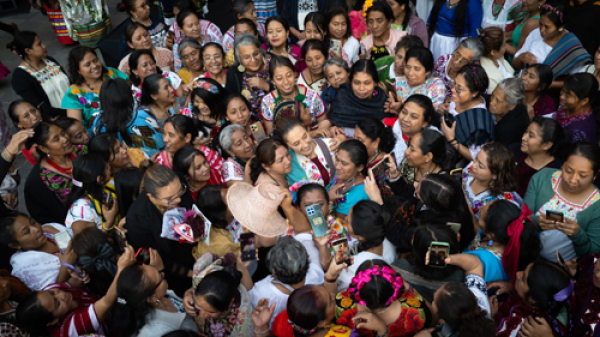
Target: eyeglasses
x,y
214,57
458,88
461,60
256,55
190,55
162,278
171,201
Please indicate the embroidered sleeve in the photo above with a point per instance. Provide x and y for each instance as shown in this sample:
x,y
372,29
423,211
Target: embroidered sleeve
x,y
266,108
82,210
232,171
315,104
437,92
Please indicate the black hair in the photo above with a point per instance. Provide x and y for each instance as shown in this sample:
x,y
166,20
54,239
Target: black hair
x,y
552,13
284,125
501,162
423,236
421,54
7,235
104,144
183,14
65,122
377,291
375,129
369,220
86,169
239,7
279,61
134,58
220,287
588,150
215,45
283,21
32,317
183,159
432,141
157,176
500,214
357,152
184,4
332,13
211,204
150,87
23,40
213,100
306,308
76,55
301,192
126,6
41,132
264,155
459,308
545,76
382,7
476,78
130,30
12,110
408,41
181,333
313,44
460,17
545,279
247,22
88,244
184,125
552,131
364,66
317,19
429,115
127,187
583,85
117,103
133,287
407,15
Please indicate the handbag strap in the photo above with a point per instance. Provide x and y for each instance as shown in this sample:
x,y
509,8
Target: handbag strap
x,y
326,154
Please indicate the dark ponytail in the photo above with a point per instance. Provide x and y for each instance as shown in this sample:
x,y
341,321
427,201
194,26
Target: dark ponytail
x,y
23,40
129,316
40,137
86,170
546,279
369,220
220,287
265,155
458,307
433,142
375,129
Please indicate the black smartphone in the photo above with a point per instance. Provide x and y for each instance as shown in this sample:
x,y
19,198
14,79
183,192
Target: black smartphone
x,y
341,251
554,215
247,246
142,256
560,259
448,119
347,187
109,201
493,291
438,252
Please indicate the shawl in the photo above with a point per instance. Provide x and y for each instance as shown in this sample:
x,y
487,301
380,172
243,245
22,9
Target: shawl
x,y
347,109
474,127
568,54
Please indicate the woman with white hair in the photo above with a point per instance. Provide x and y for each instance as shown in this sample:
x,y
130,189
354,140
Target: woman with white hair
x,y
249,75
238,148
510,114
190,52
447,66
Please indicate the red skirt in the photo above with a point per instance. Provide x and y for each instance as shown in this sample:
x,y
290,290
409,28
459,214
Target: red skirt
x,y
58,24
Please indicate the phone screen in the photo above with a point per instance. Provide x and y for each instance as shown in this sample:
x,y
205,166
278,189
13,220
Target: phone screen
x,y
379,168
317,220
73,269
120,238
341,251
347,186
143,256
438,252
109,201
248,246
62,240
556,216
335,45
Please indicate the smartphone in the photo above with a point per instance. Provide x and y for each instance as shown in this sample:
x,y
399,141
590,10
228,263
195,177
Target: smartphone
x,y
73,269
363,50
142,256
347,187
335,45
258,132
493,291
109,201
317,220
379,168
120,239
62,240
455,226
448,119
438,252
248,247
554,215
341,251
560,259
391,88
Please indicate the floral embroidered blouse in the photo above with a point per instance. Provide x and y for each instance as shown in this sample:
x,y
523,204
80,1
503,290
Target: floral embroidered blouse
x,y
433,88
232,170
581,126
256,94
60,184
440,70
313,102
54,82
237,323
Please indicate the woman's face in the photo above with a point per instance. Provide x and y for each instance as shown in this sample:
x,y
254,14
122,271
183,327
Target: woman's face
x,y
199,104
336,75
344,166
191,26
315,197
460,90
521,286
28,115
169,196
57,302
399,61
378,24
58,142
313,32
213,60
155,279
145,67
412,119
238,112
481,170
498,103
277,34
251,57
284,79
299,141
314,61
241,145
532,142
338,27
174,140
37,50
570,102
199,170
165,94
28,234
119,158
191,57
548,30
141,10
242,28
205,310
396,8
531,79
415,72
461,57
140,39
283,162
414,155
79,135
363,85
372,145
90,67
577,174
250,13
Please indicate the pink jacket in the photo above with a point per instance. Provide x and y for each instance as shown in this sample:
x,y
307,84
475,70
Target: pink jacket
x,y
390,45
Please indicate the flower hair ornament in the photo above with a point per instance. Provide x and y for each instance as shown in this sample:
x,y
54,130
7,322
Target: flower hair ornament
x,y
365,277
554,10
301,329
213,89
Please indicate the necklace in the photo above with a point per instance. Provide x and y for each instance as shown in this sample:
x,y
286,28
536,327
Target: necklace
x,y
374,157
89,86
275,180
34,68
449,6
67,171
386,309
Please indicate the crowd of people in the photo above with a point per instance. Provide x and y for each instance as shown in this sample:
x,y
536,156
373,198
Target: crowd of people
x,y
390,168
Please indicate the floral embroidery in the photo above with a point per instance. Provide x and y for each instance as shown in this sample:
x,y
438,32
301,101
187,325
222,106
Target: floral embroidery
x,y
476,244
256,94
439,70
46,73
560,204
313,102
433,88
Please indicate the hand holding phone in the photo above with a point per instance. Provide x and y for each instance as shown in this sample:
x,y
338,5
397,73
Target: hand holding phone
x,y
438,252
317,220
248,246
143,256
74,269
258,132
346,187
555,216
341,251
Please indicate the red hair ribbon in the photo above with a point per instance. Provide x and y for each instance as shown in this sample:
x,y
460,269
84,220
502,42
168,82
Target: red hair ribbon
x,y
510,258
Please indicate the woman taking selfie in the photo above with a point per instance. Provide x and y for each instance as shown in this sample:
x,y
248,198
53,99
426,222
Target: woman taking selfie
x,y
338,28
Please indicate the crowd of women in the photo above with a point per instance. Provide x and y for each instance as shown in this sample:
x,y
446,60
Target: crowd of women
x,y
392,171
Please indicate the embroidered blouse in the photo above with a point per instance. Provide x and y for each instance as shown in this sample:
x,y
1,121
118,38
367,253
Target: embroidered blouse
x,y
313,102
440,70
581,126
433,88
54,82
232,170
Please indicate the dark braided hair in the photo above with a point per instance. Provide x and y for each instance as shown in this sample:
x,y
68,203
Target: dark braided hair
x,y
476,77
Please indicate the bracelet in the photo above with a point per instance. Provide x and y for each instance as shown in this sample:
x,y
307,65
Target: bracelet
x,y
12,154
261,332
108,229
330,280
6,156
452,140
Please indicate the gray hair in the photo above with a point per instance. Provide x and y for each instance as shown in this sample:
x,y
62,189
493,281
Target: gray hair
x,y
514,90
188,42
245,39
289,260
226,133
336,61
475,45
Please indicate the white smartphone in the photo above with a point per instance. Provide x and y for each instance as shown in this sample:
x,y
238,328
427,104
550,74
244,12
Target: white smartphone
x,y
62,240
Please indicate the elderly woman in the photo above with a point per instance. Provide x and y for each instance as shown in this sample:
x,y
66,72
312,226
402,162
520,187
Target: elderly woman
x,y
336,72
190,25
214,62
291,269
238,147
506,104
138,37
250,73
447,66
190,52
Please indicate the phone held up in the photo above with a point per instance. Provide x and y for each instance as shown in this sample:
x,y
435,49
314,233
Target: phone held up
x,y
142,256
341,251
317,220
438,252
248,246
554,215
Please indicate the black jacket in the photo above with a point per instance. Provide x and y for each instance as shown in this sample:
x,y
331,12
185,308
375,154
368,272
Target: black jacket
x,y
234,81
42,204
512,126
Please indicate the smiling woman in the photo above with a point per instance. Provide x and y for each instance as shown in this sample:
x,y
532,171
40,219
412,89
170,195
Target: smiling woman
x,y
138,37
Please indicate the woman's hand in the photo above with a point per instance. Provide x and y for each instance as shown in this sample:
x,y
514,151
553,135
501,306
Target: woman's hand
x,y
188,303
502,286
372,189
545,223
336,131
334,54
335,269
288,198
257,82
443,108
201,141
369,321
528,58
333,195
535,327
449,132
262,313
569,227
69,256
392,166
391,105
323,240
156,260
110,214
74,275
334,144
17,142
126,259
11,200
121,226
